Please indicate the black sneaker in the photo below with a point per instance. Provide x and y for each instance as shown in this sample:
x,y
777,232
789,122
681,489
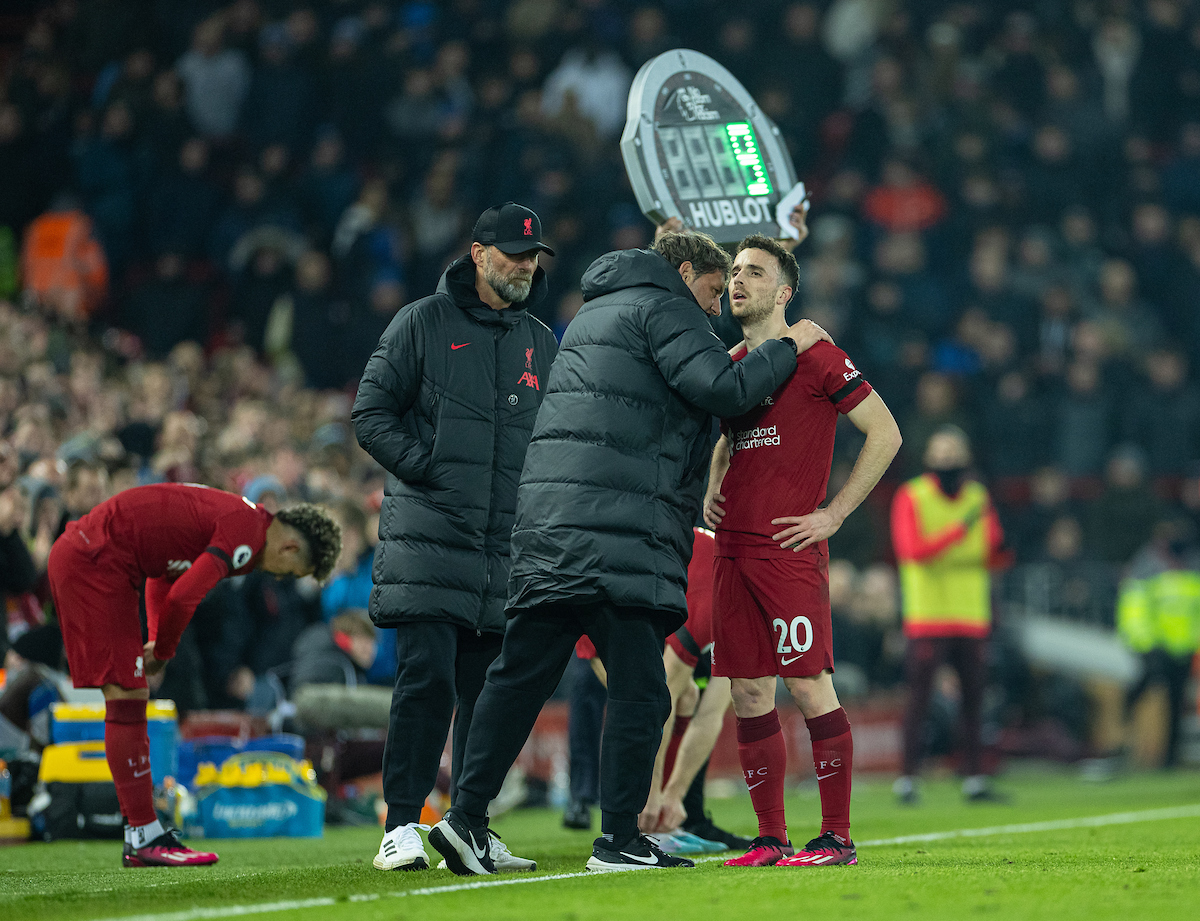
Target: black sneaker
x,y
578,814
467,850
704,828
639,854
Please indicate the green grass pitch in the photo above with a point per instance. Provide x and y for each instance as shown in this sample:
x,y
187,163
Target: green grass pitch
x,y
1144,865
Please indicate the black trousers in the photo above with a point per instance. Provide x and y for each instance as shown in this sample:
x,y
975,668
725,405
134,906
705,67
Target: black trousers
x,y
439,666
538,644
584,725
1160,667
968,655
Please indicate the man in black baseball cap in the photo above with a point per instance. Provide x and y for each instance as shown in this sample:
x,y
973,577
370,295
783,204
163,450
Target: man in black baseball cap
x,y
468,364
511,228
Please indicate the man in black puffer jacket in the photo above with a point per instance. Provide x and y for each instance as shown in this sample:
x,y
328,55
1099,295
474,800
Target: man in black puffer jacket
x,y
609,493
447,404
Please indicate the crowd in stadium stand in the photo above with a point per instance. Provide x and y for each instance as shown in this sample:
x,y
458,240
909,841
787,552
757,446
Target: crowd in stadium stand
x,y
210,211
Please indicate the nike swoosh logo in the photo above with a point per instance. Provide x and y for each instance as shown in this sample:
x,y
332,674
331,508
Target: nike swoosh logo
x,y
169,856
141,773
824,776
461,345
753,785
789,661
476,851
650,859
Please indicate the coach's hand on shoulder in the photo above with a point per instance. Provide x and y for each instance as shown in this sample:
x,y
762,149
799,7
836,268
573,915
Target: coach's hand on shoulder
x,y
806,530
806,334
151,665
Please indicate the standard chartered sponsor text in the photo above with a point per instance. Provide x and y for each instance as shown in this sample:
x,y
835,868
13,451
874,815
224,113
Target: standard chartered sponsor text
x,y
756,438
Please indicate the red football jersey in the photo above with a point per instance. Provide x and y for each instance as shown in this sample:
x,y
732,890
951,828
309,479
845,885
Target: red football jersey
x,y
783,448
182,538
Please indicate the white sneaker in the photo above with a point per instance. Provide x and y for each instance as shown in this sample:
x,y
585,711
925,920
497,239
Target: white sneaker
x,y
504,859
402,849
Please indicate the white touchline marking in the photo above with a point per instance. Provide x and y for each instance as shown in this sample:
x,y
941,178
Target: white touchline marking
x,y
1094,821
235,911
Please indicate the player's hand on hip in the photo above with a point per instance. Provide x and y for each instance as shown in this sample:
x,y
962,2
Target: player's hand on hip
x,y
713,510
805,530
806,334
150,664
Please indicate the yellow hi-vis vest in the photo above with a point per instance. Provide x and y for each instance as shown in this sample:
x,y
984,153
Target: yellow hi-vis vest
x,y
1161,611
951,594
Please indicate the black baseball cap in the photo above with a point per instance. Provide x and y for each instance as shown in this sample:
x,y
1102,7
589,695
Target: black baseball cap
x,y
511,228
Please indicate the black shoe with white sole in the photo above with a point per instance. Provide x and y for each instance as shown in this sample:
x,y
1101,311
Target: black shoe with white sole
x,y
639,854
467,850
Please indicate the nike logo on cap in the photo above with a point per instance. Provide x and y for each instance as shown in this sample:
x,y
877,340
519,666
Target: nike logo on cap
x,y
456,346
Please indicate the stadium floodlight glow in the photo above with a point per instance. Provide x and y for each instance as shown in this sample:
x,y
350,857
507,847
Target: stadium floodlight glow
x,y
696,146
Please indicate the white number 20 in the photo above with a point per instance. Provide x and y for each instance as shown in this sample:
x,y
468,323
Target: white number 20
x,y
787,633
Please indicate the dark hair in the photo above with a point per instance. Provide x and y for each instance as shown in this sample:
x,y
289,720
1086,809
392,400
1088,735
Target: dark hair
x,y
701,250
76,468
789,270
321,534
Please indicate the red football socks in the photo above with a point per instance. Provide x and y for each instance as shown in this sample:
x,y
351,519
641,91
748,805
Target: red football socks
x,y
127,747
833,758
681,725
763,755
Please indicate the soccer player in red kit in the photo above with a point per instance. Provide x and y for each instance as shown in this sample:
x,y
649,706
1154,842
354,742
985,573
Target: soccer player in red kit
x,y
178,541
769,474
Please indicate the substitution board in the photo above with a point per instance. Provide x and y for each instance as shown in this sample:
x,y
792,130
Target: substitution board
x,y
696,146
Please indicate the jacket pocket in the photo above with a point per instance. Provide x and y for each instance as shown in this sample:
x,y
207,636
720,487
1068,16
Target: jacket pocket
x,y
422,425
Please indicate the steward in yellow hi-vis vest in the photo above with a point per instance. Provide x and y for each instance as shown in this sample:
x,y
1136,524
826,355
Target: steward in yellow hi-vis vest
x,y
946,536
944,546
1158,617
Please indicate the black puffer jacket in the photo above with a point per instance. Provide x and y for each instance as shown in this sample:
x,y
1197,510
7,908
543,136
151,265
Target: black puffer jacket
x,y
446,405
612,482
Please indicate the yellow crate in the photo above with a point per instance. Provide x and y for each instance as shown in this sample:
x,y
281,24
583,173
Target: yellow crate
x,y
74,762
91,713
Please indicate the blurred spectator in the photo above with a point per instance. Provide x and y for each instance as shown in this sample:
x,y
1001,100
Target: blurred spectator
x,y
168,309
183,204
593,81
1170,434
62,263
1158,616
215,80
1121,519
278,107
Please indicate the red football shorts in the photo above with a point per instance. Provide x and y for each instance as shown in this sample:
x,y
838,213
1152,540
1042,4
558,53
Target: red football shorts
x,y
694,637
771,617
97,609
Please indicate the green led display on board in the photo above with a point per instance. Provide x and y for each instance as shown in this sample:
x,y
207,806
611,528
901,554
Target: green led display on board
x,y
746,154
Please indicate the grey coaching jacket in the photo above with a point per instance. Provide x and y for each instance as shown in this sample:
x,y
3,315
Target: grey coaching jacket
x,y
446,405
613,478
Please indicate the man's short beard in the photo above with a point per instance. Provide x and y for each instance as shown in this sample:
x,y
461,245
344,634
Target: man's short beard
x,y
511,290
756,315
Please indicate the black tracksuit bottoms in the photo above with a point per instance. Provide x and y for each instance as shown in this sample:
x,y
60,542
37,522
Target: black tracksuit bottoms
x,y
439,674
538,644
